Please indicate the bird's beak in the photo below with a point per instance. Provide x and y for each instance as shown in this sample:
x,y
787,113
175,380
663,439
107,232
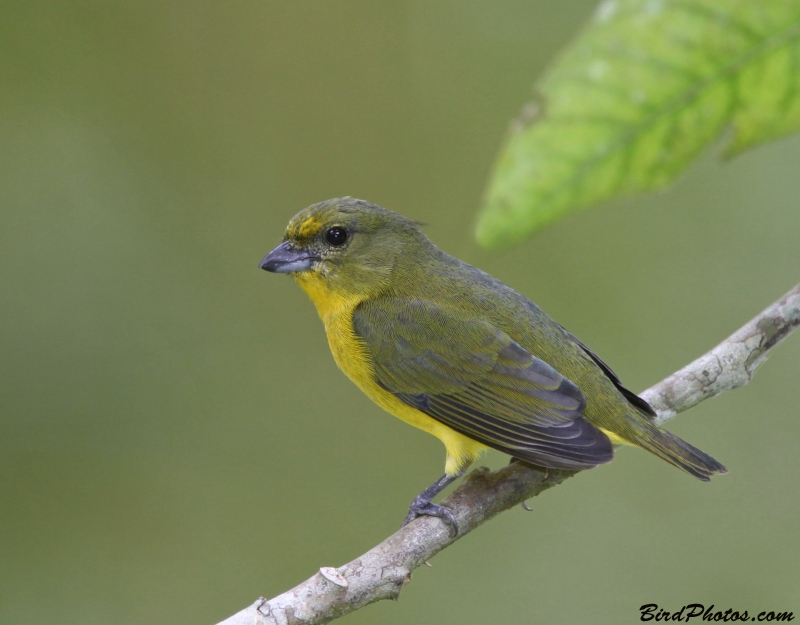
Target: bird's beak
x,y
285,259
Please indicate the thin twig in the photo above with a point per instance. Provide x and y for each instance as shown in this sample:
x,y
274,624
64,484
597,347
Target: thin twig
x,y
382,572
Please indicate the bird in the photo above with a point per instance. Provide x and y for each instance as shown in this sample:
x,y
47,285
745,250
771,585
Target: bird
x,y
457,353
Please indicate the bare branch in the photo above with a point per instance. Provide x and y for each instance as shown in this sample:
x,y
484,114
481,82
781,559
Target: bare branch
x,y
730,364
382,572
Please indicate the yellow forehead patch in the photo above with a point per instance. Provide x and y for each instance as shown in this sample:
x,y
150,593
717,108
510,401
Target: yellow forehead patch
x,y
308,228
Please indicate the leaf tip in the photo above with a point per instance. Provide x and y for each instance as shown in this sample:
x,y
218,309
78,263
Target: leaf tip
x,y
483,233
497,228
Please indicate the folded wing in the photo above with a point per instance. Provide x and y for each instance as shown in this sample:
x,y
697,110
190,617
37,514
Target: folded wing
x,y
472,377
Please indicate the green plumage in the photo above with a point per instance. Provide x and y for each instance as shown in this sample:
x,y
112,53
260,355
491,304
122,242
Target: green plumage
x,y
472,353
466,360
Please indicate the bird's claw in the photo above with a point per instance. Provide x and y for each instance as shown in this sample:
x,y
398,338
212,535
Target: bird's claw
x,y
426,508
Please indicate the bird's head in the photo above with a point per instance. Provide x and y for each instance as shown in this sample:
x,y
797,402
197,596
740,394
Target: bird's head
x,y
344,248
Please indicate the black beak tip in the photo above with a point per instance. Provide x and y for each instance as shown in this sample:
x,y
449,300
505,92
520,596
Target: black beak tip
x,y
266,264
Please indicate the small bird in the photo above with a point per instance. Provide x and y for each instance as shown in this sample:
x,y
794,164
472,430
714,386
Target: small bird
x,y
455,352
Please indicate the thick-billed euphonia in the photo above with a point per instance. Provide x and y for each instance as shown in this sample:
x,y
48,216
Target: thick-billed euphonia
x,y
457,353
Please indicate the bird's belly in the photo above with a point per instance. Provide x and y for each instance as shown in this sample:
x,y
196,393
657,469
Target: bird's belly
x,y
352,358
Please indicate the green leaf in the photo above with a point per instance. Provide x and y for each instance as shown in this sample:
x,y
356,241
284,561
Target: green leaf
x,y
642,91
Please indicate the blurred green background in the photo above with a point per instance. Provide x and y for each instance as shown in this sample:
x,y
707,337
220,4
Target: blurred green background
x,y
175,439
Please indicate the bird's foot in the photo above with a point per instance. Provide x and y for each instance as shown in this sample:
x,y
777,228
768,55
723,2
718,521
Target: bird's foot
x,y
423,507
422,503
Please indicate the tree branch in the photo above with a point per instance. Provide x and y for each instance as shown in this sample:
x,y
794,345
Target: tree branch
x,y
382,572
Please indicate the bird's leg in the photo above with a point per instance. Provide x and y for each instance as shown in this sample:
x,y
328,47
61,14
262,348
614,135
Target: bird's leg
x,y
422,503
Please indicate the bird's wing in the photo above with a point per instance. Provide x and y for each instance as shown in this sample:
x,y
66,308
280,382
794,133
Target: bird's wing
x,y
637,402
471,376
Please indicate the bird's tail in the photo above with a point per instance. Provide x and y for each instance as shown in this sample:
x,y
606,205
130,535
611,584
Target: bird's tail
x,y
677,452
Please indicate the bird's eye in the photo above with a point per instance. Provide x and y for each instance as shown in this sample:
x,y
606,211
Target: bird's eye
x,y
336,236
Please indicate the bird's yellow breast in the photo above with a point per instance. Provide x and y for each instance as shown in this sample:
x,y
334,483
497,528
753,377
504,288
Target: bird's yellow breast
x,y
352,357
